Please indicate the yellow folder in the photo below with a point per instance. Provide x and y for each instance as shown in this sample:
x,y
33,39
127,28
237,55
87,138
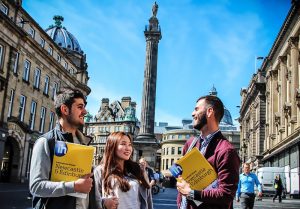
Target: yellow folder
x,y
194,169
71,161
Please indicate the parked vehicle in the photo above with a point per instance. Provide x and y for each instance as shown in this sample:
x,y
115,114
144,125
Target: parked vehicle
x,y
266,176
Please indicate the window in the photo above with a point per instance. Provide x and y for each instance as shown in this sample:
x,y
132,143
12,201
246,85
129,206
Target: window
x,y
31,32
26,71
179,151
32,115
50,50
1,55
16,63
42,119
54,90
52,116
167,164
172,150
4,8
66,65
42,42
37,75
46,86
22,107
10,103
72,71
58,58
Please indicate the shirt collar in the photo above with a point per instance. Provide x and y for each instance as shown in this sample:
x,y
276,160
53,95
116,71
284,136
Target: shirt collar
x,y
209,136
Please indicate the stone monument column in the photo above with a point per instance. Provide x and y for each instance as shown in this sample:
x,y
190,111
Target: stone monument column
x,y
146,135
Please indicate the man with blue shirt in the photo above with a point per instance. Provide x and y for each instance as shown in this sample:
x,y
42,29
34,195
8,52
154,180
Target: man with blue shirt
x,y
245,191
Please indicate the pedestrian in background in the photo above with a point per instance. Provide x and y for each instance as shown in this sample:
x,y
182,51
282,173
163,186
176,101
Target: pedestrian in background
x,y
120,182
70,110
245,192
219,152
278,188
149,171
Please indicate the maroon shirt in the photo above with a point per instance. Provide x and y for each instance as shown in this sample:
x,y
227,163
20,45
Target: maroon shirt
x,y
221,154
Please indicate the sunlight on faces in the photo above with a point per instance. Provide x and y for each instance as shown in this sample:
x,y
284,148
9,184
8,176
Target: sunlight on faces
x,y
199,115
246,168
143,163
75,116
124,148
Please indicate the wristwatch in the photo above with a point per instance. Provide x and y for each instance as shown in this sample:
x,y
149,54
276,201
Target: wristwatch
x,y
191,195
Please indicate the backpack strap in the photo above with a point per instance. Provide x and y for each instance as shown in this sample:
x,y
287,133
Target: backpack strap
x,y
192,144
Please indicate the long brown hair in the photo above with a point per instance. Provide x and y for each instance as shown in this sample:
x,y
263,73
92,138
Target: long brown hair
x,y
112,172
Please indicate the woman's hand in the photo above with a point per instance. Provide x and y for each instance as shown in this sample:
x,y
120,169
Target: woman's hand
x,y
111,202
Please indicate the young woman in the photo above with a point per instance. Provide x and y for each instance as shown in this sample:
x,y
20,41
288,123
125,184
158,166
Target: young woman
x,y
120,182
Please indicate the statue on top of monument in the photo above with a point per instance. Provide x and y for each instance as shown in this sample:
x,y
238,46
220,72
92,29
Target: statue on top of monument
x,y
154,9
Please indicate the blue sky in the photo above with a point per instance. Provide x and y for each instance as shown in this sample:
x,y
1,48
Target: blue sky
x,y
204,43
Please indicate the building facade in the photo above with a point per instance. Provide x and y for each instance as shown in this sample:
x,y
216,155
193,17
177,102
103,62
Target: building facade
x,y
277,142
252,120
112,117
34,65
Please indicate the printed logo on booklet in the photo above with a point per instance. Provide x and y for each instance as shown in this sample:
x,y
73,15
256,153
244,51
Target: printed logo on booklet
x,y
61,148
176,170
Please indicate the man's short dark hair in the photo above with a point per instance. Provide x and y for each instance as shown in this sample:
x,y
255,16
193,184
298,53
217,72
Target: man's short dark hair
x,y
216,104
66,96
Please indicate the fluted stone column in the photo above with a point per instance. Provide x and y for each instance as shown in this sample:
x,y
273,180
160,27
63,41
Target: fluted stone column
x,y
293,41
153,35
145,143
283,70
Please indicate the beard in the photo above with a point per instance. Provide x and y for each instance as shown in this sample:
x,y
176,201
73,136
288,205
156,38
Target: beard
x,y
73,122
202,121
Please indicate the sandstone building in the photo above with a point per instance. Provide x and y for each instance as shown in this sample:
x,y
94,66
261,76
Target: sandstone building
x,y
270,107
34,65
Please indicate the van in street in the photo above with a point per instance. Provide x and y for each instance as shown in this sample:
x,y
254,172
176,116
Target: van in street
x,y
266,176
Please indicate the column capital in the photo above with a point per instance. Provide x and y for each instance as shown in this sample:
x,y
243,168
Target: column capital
x,y
293,42
282,59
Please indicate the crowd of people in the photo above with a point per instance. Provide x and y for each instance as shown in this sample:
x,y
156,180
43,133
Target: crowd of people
x,y
119,182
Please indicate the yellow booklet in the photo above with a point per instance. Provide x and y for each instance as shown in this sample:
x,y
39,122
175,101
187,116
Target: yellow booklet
x,y
71,161
195,169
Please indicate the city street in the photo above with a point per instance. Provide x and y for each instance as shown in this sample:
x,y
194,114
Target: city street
x,y
14,196
167,200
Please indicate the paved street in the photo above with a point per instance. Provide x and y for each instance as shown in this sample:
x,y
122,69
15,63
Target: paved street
x,y
167,200
14,196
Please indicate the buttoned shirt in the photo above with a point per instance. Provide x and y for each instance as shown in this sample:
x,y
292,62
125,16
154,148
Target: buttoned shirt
x,y
246,184
204,141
